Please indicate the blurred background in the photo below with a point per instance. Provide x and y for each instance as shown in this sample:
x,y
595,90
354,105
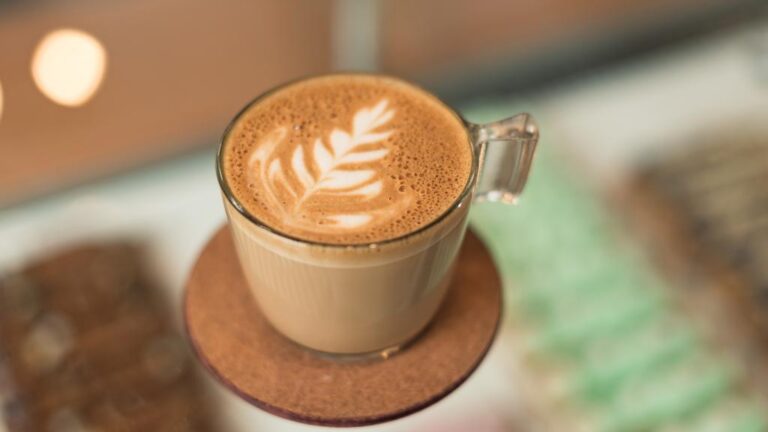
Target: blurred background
x,y
635,266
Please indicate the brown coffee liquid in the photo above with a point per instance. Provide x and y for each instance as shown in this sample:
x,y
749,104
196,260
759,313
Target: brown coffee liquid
x,y
347,159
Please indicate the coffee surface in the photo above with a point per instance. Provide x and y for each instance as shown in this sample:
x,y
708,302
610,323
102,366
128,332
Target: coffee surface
x,y
347,159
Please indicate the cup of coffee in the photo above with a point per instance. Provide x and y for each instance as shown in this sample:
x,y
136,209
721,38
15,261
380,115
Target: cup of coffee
x,y
347,197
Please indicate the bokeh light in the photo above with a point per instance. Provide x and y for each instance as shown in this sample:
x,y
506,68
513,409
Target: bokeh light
x,y
68,66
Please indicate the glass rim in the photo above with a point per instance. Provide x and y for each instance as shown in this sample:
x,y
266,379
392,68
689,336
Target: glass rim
x,y
240,208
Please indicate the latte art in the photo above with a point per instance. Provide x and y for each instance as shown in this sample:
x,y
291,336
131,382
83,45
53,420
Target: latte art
x,y
347,159
329,169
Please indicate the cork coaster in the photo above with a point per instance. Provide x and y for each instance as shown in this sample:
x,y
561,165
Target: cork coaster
x,y
236,344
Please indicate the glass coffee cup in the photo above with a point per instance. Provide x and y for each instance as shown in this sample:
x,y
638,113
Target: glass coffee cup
x,y
356,297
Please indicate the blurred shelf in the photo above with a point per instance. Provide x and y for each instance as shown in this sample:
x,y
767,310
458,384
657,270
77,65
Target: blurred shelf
x,y
177,71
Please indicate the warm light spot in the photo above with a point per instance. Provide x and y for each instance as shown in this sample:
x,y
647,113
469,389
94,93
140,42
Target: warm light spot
x,y
68,66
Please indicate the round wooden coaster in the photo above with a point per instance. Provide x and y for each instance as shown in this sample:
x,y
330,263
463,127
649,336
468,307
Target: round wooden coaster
x,y
236,344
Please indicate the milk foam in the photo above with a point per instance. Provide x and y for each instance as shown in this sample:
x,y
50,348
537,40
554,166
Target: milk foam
x,y
347,159
333,174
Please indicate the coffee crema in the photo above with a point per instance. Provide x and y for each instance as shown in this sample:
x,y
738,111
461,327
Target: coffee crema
x,y
347,159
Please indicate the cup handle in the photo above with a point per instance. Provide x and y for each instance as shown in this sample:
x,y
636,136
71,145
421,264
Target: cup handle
x,y
505,151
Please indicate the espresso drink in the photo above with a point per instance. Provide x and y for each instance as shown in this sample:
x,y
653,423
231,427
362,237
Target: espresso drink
x,y
347,159
347,196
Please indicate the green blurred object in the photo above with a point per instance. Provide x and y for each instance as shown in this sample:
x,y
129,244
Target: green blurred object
x,y
592,309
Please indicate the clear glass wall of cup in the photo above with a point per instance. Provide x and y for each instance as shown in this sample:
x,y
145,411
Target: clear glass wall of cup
x,y
372,299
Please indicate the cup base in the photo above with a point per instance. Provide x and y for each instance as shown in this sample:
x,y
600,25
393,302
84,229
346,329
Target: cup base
x,y
233,340
376,355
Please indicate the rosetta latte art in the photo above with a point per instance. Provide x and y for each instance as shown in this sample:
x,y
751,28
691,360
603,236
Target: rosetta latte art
x,y
346,160
341,168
